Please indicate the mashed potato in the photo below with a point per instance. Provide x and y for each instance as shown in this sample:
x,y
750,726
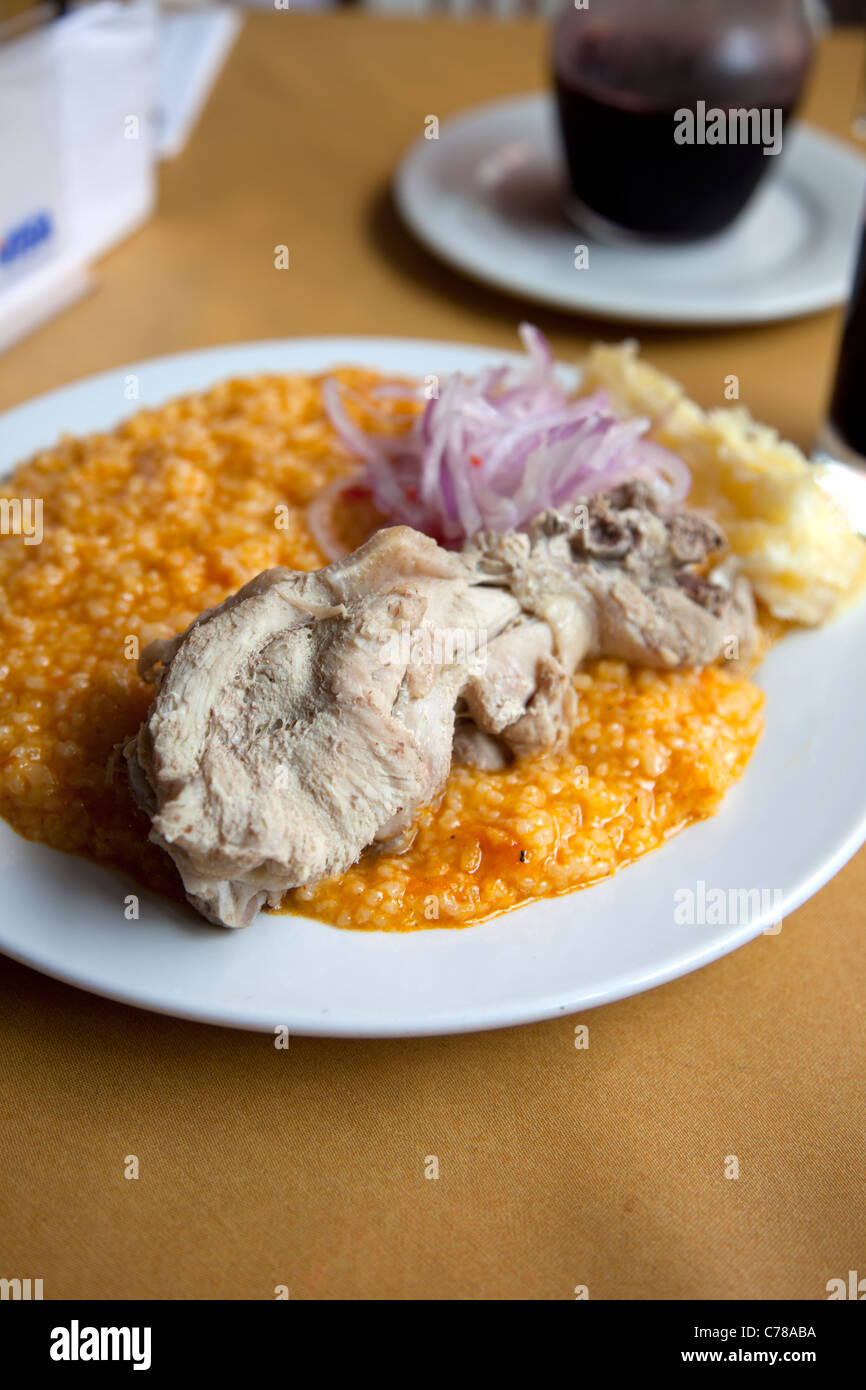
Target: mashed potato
x,y
794,544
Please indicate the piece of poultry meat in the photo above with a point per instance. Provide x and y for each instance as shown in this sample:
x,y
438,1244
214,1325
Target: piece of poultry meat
x,y
312,714
615,576
307,717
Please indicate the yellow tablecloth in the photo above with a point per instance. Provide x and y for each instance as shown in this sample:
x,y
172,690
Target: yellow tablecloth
x,y
559,1167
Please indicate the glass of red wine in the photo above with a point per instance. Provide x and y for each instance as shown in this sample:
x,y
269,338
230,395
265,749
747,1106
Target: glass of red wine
x,y
672,111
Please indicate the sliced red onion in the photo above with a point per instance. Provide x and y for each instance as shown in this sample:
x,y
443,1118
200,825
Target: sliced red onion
x,y
320,515
492,451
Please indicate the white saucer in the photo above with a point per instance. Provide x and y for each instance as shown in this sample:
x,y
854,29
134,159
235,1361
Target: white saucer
x,y
487,197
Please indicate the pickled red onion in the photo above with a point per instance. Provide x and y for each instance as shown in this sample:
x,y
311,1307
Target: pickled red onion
x,y
492,451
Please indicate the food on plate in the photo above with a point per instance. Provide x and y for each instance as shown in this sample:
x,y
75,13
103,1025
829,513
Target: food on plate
x,y
526,665
311,716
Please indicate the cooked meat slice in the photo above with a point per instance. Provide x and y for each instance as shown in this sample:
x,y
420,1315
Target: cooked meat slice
x,y
615,576
522,692
550,713
477,749
497,694
310,715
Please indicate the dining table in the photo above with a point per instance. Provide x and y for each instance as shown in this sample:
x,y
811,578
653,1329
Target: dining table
x,y
585,1156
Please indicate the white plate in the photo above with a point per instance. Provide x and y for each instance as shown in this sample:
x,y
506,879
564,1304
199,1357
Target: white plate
x,y
487,197
797,816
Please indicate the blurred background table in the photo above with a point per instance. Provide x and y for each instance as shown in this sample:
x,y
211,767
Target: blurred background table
x,y
558,1167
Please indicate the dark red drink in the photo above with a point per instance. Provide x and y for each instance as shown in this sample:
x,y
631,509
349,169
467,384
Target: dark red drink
x,y
847,433
623,71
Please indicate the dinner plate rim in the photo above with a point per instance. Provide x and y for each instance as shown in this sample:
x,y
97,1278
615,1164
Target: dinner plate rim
x,y
448,1025
222,362
716,310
